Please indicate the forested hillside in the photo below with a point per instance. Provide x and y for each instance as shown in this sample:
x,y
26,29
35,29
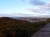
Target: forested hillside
x,y
19,28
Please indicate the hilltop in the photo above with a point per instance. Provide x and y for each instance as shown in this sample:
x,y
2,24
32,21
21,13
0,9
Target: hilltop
x,y
10,27
10,24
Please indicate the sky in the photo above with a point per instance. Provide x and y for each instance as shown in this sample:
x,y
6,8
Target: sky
x,y
25,8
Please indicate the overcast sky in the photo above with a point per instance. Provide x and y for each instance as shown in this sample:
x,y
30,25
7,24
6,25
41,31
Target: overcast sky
x,y
25,8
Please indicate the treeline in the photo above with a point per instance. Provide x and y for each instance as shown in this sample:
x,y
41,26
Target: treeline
x,y
19,28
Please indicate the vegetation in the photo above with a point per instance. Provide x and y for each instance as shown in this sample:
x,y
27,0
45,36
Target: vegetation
x,y
48,20
19,28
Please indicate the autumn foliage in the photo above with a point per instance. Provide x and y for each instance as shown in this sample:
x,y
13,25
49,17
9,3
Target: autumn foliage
x,y
18,28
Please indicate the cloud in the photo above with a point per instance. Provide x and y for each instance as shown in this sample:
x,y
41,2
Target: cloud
x,y
41,9
37,2
36,10
6,15
46,7
22,15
